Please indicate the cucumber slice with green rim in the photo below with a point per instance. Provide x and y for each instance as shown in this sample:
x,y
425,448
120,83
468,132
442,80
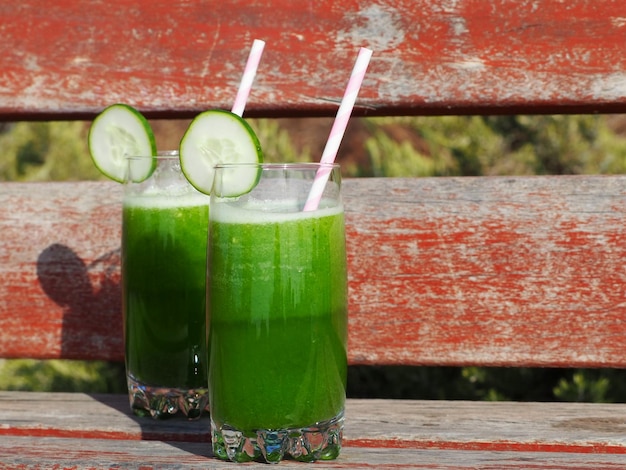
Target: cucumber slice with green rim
x,y
117,132
219,136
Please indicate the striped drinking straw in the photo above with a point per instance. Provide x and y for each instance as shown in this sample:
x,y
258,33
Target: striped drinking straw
x,y
248,77
338,129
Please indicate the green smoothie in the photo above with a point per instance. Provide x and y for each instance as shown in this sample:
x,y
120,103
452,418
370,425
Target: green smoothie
x,y
164,243
278,317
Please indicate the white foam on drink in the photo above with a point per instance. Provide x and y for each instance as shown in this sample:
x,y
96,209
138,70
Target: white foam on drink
x,y
261,212
159,200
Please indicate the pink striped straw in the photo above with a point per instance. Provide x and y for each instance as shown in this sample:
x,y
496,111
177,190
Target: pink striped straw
x,y
248,77
338,129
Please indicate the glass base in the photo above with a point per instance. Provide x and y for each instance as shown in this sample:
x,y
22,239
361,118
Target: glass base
x,y
164,402
321,441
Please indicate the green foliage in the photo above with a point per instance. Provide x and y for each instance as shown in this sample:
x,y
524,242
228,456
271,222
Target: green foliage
x,y
44,151
494,145
393,146
582,388
61,376
592,385
392,158
490,384
278,145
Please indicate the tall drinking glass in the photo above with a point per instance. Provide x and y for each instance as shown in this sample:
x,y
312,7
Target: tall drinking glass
x,y
277,313
164,240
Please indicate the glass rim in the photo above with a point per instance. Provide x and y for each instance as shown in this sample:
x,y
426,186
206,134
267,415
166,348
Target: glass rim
x,y
161,154
278,166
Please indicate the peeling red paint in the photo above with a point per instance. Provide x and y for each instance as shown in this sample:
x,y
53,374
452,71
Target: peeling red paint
x,y
429,57
484,271
486,446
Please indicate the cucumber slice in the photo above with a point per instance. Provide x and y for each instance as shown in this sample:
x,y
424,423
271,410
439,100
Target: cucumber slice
x,y
219,136
117,132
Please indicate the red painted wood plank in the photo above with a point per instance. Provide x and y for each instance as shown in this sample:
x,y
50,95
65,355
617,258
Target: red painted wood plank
x,y
492,271
176,58
442,271
59,271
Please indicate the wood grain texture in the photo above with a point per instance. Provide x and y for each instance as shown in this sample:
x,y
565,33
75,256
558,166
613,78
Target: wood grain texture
x,y
493,271
52,453
78,430
60,292
176,58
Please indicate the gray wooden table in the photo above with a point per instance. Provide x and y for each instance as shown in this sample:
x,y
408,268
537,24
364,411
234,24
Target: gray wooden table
x,y
44,430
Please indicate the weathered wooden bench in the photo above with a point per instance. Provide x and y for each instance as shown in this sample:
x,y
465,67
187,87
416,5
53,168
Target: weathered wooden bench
x,y
493,271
